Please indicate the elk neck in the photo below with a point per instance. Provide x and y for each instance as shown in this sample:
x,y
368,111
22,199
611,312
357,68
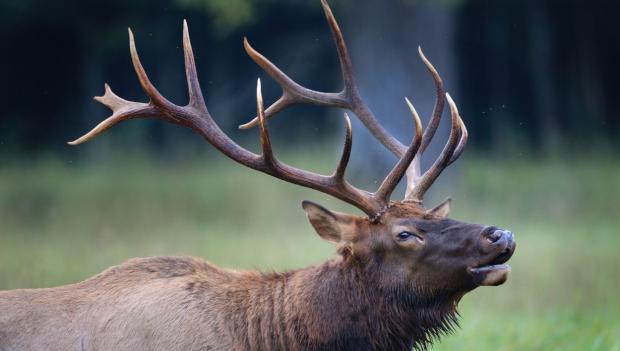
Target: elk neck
x,y
339,304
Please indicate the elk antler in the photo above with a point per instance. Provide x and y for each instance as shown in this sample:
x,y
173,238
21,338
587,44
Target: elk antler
x,y
196,116
349,98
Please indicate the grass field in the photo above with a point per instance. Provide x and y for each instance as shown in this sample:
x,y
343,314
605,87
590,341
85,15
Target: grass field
x,y
62,222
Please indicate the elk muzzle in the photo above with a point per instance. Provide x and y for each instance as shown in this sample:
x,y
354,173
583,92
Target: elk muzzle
x,y
492,270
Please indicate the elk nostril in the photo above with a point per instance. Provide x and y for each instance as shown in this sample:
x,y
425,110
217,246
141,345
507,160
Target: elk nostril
x,y
494,236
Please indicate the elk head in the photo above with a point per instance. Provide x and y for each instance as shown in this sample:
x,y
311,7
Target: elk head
x,y
408,244
419,248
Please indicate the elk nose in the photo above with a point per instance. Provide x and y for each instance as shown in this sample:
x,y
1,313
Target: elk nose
x,y
500,234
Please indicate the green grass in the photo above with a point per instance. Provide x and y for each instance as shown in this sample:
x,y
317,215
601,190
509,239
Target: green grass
x,y
62,222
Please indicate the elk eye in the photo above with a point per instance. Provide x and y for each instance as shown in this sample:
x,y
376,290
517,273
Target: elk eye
x,y
402,236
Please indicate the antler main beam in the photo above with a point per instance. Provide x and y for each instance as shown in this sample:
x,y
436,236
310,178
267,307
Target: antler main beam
x,y
349,98
195,115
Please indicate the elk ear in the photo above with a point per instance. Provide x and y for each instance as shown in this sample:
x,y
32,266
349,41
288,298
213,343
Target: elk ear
x,y
331,226
442,210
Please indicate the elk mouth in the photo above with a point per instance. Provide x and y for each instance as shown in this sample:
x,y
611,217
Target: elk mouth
x,y
494,272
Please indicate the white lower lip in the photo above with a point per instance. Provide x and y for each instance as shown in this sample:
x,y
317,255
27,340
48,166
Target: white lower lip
x,y
493,274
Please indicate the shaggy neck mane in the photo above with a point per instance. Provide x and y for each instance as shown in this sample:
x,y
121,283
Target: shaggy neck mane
x,y
338,305
403,317
411,321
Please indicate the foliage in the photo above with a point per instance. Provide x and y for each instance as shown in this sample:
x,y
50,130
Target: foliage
x,y
226,14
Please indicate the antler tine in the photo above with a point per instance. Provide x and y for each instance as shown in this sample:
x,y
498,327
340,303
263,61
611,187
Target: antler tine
x,y
193,86
122,110
292,92
440,100
156,98
444,158
391,181
338,175
343,54
414,172
265,141
462,142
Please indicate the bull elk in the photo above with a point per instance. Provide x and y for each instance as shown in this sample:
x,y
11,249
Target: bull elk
x,y
394,285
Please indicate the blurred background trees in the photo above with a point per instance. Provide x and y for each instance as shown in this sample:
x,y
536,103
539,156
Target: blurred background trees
x,y
534,76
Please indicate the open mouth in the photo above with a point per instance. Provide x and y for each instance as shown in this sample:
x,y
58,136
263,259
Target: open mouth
x,y
494,272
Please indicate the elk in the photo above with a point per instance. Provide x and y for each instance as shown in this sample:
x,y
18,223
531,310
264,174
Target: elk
x,y
395,284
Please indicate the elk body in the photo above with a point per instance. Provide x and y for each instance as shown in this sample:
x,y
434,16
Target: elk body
x,y
394,285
